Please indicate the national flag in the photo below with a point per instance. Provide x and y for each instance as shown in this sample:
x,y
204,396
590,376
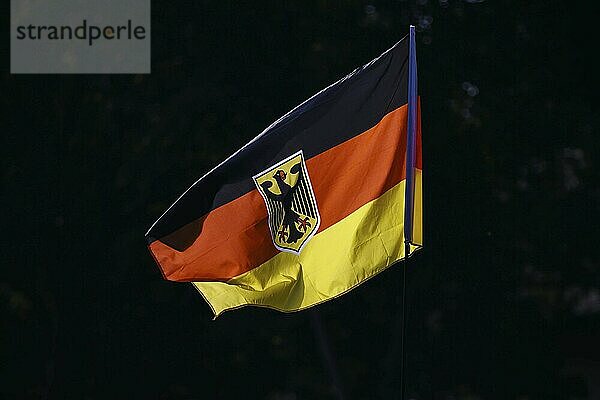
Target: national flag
x,y
311,207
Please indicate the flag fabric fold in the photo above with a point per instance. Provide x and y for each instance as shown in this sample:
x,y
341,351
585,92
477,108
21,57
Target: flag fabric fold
x,y
308,209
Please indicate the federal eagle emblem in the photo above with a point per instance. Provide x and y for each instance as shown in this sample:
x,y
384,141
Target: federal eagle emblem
x,y
293,214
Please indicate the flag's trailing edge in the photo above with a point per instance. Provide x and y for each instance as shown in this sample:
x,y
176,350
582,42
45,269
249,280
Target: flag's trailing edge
x,y
311,207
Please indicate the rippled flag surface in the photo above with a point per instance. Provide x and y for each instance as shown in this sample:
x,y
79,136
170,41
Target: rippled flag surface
x,y
311,207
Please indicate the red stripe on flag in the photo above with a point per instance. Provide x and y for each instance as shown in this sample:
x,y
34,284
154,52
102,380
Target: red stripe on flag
x,y
235,237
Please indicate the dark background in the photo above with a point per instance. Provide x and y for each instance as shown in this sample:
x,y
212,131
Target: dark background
x,y
503,301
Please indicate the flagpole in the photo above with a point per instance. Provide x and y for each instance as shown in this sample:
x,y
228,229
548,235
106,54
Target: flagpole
x,y
409,190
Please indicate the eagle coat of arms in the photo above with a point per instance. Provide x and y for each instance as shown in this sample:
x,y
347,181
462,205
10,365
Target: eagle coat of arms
x,y
288,194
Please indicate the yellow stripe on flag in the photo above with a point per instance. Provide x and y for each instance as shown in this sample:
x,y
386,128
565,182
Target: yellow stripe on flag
x,y
336,260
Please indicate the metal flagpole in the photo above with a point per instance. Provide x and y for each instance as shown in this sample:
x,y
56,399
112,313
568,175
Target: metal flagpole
x,y
410,187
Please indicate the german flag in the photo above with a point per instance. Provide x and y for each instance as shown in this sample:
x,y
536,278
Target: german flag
x,y
325,198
